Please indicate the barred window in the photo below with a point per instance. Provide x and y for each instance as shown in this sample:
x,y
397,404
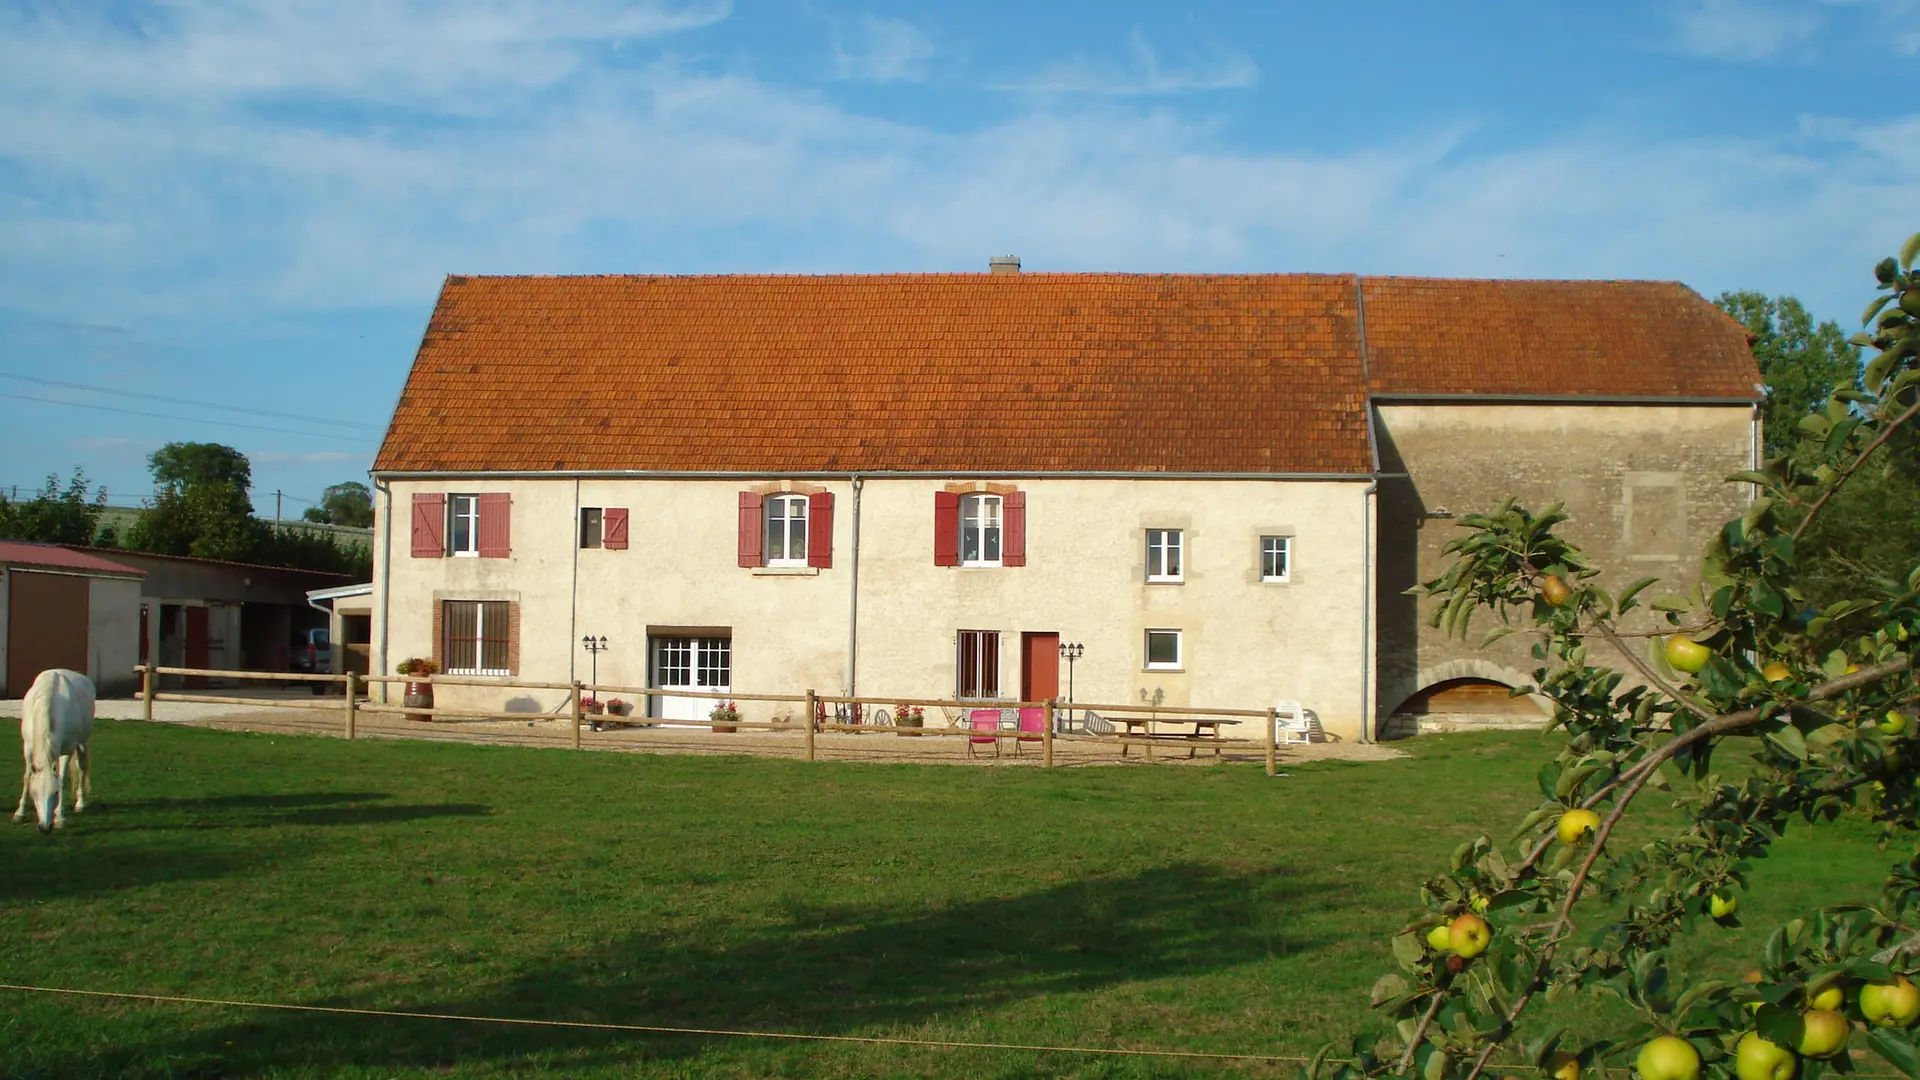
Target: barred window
x,y
476,637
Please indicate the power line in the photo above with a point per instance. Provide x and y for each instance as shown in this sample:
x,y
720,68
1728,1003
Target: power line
x,y
193,419
186,401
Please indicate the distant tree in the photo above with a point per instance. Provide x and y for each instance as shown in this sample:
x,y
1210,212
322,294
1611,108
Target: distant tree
x,y
344,504
1801,363
206,521
184,465
54,516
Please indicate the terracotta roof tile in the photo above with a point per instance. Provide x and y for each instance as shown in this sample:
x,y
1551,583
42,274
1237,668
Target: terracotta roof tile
x,y
951,373
1552,338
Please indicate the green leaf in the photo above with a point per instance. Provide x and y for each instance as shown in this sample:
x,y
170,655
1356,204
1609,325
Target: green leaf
x,y
1898,1052
1633,590
1790,740
1909,251
1495,634
1866,317
1408,950
1388,987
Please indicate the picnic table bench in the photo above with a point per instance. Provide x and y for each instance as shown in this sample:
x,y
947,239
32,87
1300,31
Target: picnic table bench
x,y
1205,729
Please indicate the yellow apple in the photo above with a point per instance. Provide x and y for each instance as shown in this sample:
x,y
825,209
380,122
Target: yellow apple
x,y
1469,935
1577,825
1669,1057
1757,1059
1823,1033
1688,655
1563,1066
1555,590
1776,671
1440,939
1830,996
1895,1004
1721,905
1895,722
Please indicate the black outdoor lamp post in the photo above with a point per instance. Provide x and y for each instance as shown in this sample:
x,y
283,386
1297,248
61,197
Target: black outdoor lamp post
x,y
594,646
1070,651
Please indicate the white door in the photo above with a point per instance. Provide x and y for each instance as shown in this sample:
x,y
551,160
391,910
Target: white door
x,y
689,663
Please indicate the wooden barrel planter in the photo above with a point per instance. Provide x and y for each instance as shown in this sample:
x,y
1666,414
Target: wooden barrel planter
x,y
418,695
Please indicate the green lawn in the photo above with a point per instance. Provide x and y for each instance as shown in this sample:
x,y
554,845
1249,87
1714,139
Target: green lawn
x,y
1165,907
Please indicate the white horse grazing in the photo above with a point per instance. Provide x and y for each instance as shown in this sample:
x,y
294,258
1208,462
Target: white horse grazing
x,y
56,721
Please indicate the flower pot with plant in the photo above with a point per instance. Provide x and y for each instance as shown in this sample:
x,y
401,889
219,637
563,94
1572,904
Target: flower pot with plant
x,y
724,716
418,694
909,716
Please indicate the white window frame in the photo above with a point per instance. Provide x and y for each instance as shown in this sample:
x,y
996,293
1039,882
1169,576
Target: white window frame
x,y
467,508
1179,650
770,519
976,521
1166,547
598,515
1283,547
502,611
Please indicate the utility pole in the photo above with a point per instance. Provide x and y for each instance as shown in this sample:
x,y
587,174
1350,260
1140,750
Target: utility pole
x,y
276,506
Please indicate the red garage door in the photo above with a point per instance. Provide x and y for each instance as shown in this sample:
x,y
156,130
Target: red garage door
x,y
46,626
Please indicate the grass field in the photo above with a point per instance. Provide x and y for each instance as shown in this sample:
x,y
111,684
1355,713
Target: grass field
x,y
1209,909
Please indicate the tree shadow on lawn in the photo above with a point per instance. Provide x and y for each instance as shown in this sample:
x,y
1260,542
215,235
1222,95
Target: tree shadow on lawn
x,y
828,970
54,868
263,811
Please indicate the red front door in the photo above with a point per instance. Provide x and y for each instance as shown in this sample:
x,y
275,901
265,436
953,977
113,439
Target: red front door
x,y
1039,666
196,644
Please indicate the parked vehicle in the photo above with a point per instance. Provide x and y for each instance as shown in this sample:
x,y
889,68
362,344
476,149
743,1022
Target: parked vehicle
x,y
311,653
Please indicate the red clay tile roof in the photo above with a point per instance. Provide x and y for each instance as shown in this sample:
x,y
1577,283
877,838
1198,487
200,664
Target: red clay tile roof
x,y
982,373
948,373
1619,339
54,557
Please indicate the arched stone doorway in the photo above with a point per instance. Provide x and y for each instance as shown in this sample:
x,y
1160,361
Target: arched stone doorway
x,y
1465,695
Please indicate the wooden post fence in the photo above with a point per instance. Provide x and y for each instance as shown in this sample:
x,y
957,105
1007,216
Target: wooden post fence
x,y
812,703
576,713
353,691
1273,725
1046,737
146,692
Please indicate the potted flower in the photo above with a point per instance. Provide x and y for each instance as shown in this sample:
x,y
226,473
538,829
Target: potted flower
x,y
910,716
591,705
617,707
725,715
418,694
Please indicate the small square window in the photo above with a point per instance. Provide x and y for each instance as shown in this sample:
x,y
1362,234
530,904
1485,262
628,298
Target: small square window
x,y
1163,650
590,527
1163,555
1275,557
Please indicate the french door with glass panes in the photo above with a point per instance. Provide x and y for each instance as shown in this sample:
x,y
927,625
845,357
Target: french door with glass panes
x,y
689,663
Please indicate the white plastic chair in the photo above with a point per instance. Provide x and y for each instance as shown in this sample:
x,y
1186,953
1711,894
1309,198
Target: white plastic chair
x,y
1294,722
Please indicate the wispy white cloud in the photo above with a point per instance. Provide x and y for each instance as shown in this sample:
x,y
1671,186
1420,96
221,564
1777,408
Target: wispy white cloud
x,y
1145,74
1742,29
881,50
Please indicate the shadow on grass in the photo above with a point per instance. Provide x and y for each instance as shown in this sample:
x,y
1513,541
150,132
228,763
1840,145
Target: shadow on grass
x,y
221,812
48,868
827,970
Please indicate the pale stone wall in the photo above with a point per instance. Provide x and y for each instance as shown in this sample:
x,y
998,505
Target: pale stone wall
x,y
113,635
1246,643
1644,485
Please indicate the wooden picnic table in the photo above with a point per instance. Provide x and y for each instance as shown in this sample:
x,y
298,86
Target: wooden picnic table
x,y
1205,728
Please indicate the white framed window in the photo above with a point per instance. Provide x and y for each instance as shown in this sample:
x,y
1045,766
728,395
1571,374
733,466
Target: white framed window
x,y
463,525
591,531
980,530
977,665
689,663
1163,555
786,543
1276,557
1164,650
477,640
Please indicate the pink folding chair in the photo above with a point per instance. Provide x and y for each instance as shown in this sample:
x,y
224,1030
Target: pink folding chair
x,y
986,729
1033,726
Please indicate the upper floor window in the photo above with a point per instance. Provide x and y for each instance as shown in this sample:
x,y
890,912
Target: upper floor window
x,y
1274,557
592,528
1163,555
786,530
463,524
603,527
980,530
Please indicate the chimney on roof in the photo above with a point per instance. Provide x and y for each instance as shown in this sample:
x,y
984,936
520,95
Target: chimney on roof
x,y
1003,264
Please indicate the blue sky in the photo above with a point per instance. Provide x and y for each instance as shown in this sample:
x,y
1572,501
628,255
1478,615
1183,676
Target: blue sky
x,y
252,204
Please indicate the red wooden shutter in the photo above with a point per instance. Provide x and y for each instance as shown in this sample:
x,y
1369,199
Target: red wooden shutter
x,y
820,529
429,526
1013,541
496,525
613,528
750,528
946,529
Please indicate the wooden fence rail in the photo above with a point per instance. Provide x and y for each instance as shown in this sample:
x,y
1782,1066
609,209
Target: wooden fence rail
x,y
352,685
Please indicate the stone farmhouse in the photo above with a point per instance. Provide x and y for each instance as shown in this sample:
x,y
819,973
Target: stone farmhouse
x,y
921,485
